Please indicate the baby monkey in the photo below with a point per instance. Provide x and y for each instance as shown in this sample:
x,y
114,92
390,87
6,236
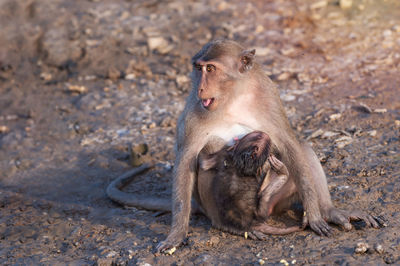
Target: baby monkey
x,y
238,186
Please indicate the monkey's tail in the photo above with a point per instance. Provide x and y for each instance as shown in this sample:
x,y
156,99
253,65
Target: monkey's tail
x,y
272,230
131,200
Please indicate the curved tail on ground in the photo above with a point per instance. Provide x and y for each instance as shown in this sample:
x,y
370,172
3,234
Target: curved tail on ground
x,y
115,193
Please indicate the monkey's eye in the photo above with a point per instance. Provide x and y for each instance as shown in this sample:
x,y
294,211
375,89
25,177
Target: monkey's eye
x,y
210,68
197,66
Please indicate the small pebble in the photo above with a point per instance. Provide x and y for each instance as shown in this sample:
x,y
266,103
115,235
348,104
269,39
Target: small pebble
x,y
288,98
387,33
363,108
159,44
334,116
259,29
319,4
343,141
379,248
361,248
4,129
329,134
46,76
284,262
76,88
223,6
345,4
380,111
283,76
111,254
130,76
316,134
171,251
182,80
214,240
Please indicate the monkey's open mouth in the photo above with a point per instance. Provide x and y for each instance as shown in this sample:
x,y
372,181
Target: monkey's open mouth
x,y
207,102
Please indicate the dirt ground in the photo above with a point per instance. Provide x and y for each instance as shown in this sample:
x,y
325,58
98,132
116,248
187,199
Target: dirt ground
x,y
82,81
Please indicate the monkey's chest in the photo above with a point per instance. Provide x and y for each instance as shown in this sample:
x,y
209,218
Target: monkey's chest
x,y
230,132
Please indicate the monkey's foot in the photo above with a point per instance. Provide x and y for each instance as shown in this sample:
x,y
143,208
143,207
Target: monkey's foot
x,y
319,226
343,218
257,235
278,165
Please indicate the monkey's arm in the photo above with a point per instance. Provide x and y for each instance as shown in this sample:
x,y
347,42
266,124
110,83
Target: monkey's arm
x,y
182,188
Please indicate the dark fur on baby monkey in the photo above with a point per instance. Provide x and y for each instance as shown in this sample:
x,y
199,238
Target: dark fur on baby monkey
x,y
235,186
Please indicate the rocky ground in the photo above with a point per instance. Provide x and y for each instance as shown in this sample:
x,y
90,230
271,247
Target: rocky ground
x,y
83,81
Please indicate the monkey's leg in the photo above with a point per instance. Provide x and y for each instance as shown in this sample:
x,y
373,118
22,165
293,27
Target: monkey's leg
x,y
271,190
328,211
307,190
270,195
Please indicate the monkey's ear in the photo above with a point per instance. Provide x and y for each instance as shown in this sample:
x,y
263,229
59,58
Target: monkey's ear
x,y
206,161
246,60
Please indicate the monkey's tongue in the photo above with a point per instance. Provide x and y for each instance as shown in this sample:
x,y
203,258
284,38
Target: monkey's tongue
x,y
207,102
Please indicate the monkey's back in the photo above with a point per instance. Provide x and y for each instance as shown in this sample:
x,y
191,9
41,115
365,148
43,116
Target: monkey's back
x,y
236,199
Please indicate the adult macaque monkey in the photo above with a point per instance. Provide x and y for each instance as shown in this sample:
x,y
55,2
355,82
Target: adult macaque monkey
x,y
231,96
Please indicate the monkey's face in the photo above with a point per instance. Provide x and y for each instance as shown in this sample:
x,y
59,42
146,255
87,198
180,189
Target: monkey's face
x,y
251,152
216,69
211,82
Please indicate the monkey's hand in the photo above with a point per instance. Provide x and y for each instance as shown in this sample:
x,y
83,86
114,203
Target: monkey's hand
x,y
173,241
